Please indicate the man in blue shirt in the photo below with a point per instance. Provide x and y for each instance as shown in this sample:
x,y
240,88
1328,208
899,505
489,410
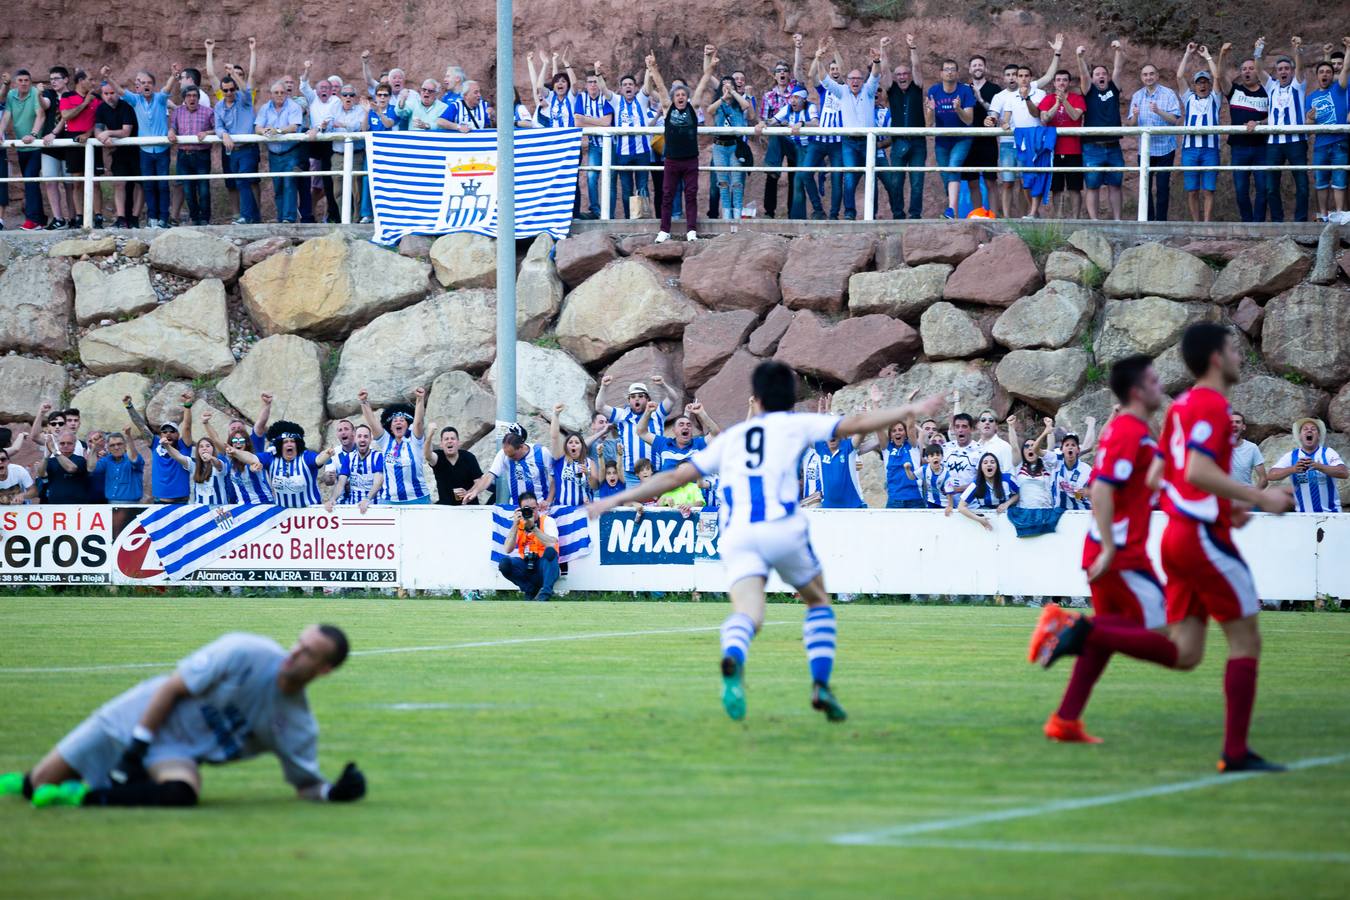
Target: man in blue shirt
x,y
839,465
279,116
169,481
1327,106
234,115
670,452
121,470
152,120
950,104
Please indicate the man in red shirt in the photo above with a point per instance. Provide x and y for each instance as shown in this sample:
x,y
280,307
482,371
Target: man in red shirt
x,y
1205,574
1062,110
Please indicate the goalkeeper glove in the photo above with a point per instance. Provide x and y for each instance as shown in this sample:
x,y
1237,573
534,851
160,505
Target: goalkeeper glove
x,y
130,769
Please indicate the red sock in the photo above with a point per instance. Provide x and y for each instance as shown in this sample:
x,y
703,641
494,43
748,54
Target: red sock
x,y
1120,635
1239,690
1086,670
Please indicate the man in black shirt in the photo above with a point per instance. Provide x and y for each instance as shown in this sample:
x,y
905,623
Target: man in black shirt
x,y
1103,111
904,93
456,470
54,158
983,151
1248,105
114,120
67,473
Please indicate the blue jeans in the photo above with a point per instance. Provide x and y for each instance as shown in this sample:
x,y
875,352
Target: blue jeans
x,y
1293,153
891,182
1325,154
284,190
30,166
780,149
156,192
1241,155
914,503
855,154
828,155
536,584
1102,155
244,160
593,179
731,185
952,154
804,185
909,152
627,180
196,192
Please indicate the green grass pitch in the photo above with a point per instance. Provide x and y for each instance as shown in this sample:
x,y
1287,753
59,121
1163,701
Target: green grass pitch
x,y
579,750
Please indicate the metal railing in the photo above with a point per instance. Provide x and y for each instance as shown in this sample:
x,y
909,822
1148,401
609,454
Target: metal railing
x,y
1143,168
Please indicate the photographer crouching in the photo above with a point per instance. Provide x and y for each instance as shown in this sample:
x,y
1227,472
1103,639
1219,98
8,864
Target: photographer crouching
x,y
531,547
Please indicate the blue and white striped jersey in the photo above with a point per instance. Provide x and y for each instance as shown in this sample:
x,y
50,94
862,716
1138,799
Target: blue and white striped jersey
x,y
360,471
403,476
595,107
672,454
990,500
635,113
810,473
634,448
250,486
574,485
295,482
831,116
477,117
787,117
529,473
756,462
1314,491
882,119
1200,113
935,486
215,490
561,110
1068,480
1286,108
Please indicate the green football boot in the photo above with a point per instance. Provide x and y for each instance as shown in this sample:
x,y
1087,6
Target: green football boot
x,y
825,701
733,688
67,793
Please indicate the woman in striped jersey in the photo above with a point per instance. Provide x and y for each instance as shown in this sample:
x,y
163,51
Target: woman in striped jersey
x,y
574,475
398,434
292,471
246,476
210,482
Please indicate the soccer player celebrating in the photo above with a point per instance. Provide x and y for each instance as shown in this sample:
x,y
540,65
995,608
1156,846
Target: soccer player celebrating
x,y
761,525
1205,574
235,698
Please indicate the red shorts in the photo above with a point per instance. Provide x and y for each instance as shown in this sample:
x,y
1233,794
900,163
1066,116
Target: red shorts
x,y
1135,594
1205,574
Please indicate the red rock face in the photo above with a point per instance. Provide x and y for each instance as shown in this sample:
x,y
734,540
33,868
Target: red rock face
x,y
996,275
710,339
849,350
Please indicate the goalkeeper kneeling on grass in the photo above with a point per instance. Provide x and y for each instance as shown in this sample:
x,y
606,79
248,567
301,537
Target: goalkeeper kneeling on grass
x,y
240,696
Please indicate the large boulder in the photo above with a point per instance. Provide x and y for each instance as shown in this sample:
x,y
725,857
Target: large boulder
x,y
1061,265
1275,447
189,335
764,339
818,269
1338,411
1044,379
539,290
626,304
328,286
36,300
904,293
464,260
1307,331
28,383
167,406
711,338
737,271
100,404
812,346
408,348
996,274
646,364
289,368
1262,270
1270,405
1147,325
947,244
547,377
77,247
1050,318
1248,315
1158,270
255,252
726,395
582,255
98,295
195,254
948,332
1094,245
1095,404
974,380
458,401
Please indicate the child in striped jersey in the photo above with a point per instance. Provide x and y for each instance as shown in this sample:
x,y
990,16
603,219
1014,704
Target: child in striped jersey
x,y
210,480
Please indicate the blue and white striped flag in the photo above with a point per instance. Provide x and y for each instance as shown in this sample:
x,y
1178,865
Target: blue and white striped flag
x,y
187,537
439,182
574,531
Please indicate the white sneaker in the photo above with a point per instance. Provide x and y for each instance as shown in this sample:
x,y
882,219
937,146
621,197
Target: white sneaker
x,y
691,236
662,237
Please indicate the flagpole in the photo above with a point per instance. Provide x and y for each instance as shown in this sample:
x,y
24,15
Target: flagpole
x,y
506,227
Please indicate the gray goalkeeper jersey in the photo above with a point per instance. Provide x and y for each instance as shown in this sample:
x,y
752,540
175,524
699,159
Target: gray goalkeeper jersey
x,y
236,710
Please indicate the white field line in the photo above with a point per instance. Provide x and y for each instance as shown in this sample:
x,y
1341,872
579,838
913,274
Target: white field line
x,y
1058,849
386,651
898,833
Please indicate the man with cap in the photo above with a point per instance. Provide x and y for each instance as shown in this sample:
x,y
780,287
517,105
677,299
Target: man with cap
x,y
626,419
169,482
1199,108
1313,467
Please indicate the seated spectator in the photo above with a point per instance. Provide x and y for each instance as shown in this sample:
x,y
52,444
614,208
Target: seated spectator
x,y
935,481
1248,466
574,475
991,490
454,468
1200,108
1036,511
210,476
16,485
1313,468
67,472
120,469
531,550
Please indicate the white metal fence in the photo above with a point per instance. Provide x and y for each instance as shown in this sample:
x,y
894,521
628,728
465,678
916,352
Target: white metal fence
x,y
351,144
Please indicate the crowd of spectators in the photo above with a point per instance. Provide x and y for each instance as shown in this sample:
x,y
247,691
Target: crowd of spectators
x,y
193,104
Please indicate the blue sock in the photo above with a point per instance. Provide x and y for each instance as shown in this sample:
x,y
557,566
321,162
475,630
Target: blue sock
x,y
818,633
737,632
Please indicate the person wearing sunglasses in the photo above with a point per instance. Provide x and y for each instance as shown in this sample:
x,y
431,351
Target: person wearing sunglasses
x,y
234,115
349,118
380,116
986,435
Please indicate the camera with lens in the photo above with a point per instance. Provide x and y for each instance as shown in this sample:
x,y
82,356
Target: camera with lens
x,y
527,513
531,561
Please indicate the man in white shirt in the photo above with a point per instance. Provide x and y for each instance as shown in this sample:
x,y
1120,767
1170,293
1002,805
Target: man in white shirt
x,y
1314,468
1249,467
986,427
1016,107
961,455
857,105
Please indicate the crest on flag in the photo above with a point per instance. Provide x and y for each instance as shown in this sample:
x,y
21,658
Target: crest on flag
x,y
471,191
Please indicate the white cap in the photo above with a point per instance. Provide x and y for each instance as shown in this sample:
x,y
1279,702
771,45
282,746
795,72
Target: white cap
x,y
638,387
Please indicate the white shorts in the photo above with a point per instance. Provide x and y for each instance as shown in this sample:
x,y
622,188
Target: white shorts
x,y
750,551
